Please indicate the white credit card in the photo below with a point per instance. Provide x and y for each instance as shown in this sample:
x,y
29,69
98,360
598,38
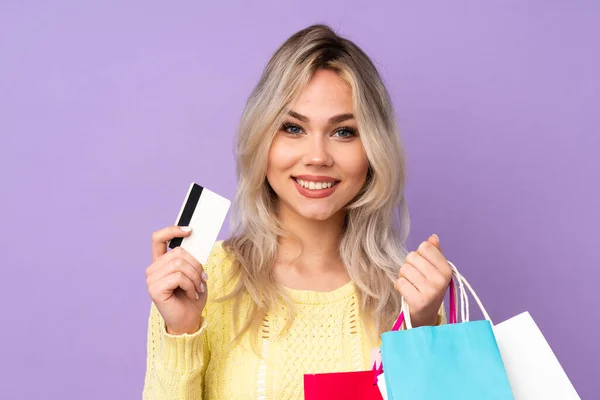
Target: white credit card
x,y
204,211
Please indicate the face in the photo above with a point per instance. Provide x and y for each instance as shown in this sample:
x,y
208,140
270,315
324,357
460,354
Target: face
x,y
317,163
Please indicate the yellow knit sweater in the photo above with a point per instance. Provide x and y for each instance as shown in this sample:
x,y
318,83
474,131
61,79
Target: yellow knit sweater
x,y
327,336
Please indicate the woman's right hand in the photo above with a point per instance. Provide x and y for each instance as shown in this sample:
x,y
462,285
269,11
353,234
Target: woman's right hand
x,y
176,283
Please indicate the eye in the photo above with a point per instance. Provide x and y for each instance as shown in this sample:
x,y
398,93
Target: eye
x,y
345,132
292,128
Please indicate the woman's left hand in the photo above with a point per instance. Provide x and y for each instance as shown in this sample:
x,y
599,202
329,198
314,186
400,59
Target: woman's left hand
x,y
423,281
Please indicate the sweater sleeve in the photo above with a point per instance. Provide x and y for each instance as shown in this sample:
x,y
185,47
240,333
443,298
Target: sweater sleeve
x,y
175,364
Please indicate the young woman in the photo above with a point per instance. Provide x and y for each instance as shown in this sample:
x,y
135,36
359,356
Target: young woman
x,y
316,267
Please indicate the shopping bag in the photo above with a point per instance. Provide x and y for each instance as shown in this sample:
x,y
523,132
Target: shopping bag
x,y
359,385
453,361
381,386
533,370
379,367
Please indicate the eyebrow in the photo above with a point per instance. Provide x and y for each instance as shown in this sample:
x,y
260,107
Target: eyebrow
x,y
333,120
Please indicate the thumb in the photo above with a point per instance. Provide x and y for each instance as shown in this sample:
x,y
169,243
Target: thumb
x,y
435,240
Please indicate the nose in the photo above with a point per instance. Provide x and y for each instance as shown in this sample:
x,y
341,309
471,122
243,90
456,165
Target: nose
x,y
317,152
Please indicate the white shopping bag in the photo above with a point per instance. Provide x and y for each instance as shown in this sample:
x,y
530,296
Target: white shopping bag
x,y
533,370
382,387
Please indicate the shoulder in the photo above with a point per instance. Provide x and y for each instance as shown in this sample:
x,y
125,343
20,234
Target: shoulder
x,y
218,255
220,270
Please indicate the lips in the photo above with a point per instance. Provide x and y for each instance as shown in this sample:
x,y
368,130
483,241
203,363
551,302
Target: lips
x,y
314,181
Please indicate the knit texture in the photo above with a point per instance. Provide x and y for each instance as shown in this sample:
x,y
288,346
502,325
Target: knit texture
x,y
326,336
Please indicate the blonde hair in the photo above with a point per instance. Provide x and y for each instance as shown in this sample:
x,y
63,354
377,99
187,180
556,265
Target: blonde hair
x,y
376,222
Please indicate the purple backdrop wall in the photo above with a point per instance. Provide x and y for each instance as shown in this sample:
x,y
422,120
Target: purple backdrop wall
x,y
109,110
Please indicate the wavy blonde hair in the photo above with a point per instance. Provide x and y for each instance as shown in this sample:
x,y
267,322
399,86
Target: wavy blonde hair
x,y
376,221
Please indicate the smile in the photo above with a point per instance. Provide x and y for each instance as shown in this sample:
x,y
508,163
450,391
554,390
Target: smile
x,y
314,185
323,187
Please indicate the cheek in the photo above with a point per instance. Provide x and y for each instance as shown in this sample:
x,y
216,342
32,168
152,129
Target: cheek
x,y
356,165
280,159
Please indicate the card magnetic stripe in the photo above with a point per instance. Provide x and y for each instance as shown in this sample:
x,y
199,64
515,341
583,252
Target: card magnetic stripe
x,y
188,211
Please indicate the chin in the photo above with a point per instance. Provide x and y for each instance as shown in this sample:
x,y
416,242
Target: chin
x,y
317,215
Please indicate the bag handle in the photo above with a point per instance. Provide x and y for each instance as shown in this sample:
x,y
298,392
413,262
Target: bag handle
x,y
453,317
404,316
465,299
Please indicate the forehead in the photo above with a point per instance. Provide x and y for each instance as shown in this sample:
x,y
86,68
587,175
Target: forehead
x,y
325,95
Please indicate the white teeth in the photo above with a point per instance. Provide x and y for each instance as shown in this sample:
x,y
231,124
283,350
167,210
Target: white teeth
x,y
314,185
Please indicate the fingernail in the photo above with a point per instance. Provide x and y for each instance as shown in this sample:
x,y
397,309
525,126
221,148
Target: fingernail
x,y
185,228
197,296
204,276
437,237
202,288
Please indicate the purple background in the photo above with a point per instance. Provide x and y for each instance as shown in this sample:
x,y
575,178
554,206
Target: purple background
x,y
109,111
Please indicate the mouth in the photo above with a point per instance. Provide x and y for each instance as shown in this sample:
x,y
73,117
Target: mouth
x,y
316,185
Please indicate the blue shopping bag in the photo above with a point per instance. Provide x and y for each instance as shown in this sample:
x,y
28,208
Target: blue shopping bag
x,y
453,361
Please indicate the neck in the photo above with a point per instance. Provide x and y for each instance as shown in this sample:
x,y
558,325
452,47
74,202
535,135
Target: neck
x,y
316,242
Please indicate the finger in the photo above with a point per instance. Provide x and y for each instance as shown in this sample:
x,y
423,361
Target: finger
x,y
178,252
429,271
431,253
407,290
436,259
435,240
164,288
183,253
160,238
179,265
414,276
